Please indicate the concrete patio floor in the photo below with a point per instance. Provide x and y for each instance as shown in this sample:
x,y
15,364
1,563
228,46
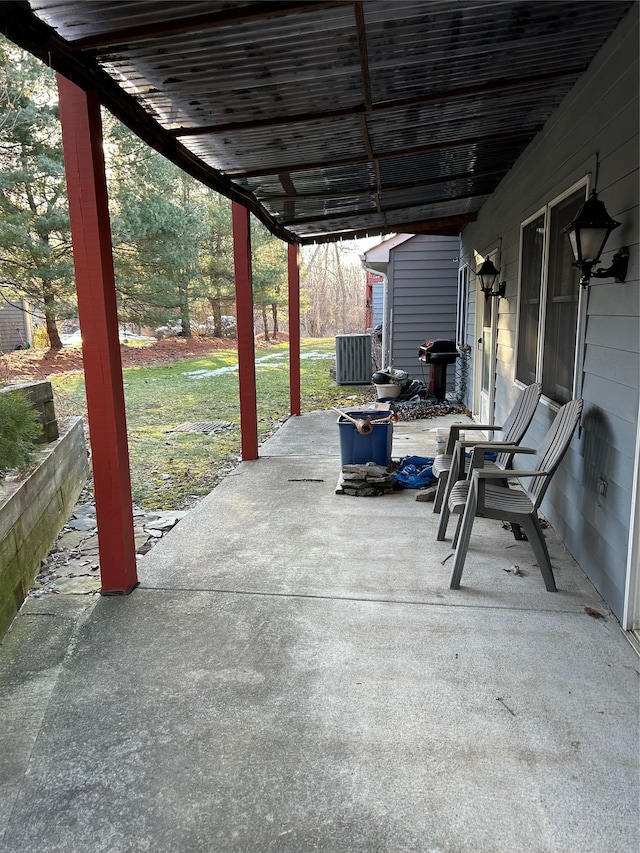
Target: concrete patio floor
x,y
294,675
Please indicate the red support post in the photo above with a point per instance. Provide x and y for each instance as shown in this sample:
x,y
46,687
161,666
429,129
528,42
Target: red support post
x,y
244,323
97,310
294,327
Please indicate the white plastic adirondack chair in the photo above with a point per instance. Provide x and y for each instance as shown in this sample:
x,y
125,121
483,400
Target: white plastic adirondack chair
x,y
452,463
480,496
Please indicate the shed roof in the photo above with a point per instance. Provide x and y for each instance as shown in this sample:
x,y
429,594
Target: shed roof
x,y
380,252
332,118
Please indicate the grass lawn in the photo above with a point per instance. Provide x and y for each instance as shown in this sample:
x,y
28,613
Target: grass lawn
x,y
171,470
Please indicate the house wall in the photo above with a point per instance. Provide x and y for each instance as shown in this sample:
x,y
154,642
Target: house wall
x,y
423,285
15,327
599,116
378,303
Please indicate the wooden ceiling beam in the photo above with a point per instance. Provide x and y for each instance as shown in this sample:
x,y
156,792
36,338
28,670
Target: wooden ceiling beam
x,y
307,220
386,155
375,109
389,188
448,226
358,11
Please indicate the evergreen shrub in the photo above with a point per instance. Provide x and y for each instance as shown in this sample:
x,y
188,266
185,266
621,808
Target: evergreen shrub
x,y
19,428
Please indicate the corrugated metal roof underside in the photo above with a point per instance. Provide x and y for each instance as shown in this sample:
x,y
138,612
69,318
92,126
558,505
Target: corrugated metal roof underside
x,y
340,117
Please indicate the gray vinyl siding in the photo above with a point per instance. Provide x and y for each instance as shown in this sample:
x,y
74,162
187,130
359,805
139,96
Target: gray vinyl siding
x,y
15,327
600,115
423,286
378,303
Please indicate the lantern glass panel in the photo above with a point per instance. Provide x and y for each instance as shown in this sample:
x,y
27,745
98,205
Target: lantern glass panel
x,y
592,242
488,274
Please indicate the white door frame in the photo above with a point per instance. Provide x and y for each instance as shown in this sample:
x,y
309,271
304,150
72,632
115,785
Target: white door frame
x,y
631,611
481,409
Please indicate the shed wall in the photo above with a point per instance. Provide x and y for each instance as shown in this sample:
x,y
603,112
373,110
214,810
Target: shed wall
x,y
15,327
378,303
423,285
599,116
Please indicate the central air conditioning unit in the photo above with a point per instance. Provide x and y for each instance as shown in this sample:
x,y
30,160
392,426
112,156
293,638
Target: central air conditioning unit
x,y
353,359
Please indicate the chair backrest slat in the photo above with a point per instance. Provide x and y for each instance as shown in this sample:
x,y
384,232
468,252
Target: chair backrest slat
x,y
554,445
519,419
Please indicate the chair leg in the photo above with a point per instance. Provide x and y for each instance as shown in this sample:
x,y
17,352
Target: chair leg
x,y
466,525
452,477
517,532
444,520
536,538
443,476
456,535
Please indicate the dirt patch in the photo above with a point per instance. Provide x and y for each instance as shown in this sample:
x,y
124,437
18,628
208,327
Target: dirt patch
x,y
33,364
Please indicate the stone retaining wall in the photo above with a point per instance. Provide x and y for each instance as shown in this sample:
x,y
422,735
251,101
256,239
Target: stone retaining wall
x,y
33,511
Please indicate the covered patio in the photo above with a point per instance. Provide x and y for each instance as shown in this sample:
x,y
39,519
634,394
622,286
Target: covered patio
x,y
293,674
326,120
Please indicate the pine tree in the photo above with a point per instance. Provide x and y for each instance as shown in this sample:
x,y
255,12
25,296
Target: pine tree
x,y
269,262
19,429
219,277
159,232
35,243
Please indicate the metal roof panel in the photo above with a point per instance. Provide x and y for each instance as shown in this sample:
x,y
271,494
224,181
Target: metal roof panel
x,y
333,116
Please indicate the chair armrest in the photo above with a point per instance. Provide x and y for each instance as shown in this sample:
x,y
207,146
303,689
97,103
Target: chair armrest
x,y
477,459
478,426
486,474
502,446
456,429
454,434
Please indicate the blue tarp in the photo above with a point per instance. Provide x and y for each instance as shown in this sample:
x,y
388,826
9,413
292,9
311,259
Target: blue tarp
x,y
416,472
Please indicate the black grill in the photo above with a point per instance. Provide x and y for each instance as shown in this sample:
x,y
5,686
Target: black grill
x,y
438,354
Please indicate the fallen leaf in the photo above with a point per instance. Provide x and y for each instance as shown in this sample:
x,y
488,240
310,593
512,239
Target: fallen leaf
x,y
594,613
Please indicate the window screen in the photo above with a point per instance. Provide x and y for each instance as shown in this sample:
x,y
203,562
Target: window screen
x,y
561,310
532,253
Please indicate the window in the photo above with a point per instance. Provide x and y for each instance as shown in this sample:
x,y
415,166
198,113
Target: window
x,y
531,259
549,297
561,309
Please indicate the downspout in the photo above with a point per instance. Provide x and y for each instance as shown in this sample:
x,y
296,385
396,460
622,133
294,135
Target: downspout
x,y
386,324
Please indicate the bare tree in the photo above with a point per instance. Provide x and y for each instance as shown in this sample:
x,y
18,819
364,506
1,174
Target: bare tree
x,y
332,285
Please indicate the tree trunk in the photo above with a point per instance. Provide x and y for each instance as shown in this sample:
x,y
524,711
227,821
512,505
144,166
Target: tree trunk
x,y
185,314
50,317
265,322
216,313
274,317
341,289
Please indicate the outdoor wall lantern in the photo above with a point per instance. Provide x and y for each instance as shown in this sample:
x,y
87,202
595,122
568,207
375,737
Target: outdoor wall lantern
x,y
488,275
588,235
